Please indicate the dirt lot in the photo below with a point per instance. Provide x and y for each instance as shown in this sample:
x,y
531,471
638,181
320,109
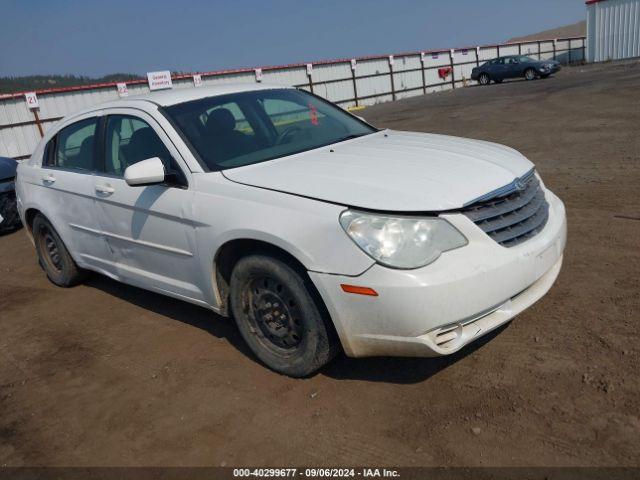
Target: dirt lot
x,y
105,374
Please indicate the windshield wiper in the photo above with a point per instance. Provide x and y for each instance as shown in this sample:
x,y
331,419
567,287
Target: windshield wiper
x,y
350,137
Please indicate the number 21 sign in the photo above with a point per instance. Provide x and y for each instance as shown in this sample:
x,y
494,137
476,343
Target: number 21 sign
x,y
32,100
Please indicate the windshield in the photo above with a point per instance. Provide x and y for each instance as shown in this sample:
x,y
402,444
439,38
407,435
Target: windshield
x,y
229,131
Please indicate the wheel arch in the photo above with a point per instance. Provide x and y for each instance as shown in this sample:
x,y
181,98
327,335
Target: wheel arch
x,y
29,214
230,252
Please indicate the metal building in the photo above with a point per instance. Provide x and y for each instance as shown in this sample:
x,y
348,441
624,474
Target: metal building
x,y
613,29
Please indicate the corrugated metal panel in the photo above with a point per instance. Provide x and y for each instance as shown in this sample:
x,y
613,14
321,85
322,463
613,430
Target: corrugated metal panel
x,y
378,85
464,61
613,30
510,50
487,53
413,74
529,48
547,50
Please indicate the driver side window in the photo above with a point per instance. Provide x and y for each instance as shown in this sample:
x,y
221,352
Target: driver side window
x,y
130,140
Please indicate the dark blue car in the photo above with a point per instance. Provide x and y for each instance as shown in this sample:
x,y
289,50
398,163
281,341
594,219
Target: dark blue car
x,y
513,66
9,218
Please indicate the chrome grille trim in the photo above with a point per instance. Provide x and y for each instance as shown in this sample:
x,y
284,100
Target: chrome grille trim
x,y
514,217
503,191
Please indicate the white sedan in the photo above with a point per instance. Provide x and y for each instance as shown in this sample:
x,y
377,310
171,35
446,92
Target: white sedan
x,y
313,229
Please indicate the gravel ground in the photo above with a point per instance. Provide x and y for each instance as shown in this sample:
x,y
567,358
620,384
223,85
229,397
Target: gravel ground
x,y
105,374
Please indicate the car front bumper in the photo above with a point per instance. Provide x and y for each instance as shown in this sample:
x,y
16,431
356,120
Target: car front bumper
x,y
549,71
437,309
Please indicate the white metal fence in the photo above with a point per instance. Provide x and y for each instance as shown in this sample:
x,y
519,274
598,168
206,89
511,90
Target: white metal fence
x,y
348,82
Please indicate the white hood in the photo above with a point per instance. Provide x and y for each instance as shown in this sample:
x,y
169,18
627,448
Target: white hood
x,y
392,171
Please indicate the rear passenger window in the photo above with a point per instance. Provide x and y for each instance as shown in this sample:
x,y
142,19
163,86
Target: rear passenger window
x,y
75,146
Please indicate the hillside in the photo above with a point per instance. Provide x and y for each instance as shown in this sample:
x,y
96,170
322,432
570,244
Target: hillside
x,y
39,82
574,30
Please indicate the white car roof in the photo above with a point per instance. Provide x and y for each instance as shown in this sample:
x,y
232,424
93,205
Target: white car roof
x,y
177,95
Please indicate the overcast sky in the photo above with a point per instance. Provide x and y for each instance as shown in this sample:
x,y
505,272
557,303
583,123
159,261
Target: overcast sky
x,y
99,37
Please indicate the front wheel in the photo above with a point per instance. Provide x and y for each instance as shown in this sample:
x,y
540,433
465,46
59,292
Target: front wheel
x,y
484,79
530,74
278,317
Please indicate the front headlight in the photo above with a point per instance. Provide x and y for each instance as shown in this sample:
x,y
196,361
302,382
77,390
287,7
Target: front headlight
x,y
401,241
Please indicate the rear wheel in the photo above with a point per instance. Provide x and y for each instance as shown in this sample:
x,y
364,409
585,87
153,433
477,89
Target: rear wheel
x,y
484,79
530,74
54,256
279,318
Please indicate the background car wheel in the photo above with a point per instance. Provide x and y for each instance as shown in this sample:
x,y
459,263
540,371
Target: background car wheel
x,y
9,212
54,256
279,318
484,79
530,74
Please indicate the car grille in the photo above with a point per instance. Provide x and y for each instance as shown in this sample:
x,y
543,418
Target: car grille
x,y
511,215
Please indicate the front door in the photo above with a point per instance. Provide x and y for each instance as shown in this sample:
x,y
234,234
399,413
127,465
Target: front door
x,y
149,229
499,69
514,68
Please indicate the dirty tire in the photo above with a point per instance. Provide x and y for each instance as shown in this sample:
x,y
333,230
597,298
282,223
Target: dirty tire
x,y
9,212
277,314
530,74
484,79
53,256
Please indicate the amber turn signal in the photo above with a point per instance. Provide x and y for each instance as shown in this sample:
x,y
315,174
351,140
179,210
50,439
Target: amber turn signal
x,y
359,290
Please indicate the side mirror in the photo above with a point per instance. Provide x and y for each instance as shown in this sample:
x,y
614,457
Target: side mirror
x,y
146,172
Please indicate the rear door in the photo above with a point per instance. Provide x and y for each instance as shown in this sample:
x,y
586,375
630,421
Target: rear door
x,y
66,180
150,230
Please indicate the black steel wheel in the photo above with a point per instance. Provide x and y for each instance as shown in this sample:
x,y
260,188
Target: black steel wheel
x,y
272,308
53,254
278,315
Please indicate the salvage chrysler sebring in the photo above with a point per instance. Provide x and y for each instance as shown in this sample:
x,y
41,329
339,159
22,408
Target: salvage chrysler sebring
x,y
310,227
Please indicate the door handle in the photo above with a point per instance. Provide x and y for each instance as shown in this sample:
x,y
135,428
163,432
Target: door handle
x,y
105,189
48,179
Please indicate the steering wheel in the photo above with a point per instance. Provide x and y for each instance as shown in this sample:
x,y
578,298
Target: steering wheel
x,y
287,133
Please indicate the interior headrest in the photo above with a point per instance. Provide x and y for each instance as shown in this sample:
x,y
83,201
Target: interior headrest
x,y
221,119
144,143
87,145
